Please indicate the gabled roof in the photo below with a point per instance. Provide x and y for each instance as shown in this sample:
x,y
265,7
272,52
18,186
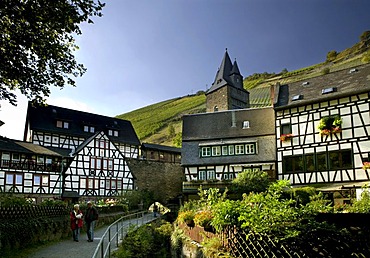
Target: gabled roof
x,y
160,148
223,74
326,87
44,118
11,145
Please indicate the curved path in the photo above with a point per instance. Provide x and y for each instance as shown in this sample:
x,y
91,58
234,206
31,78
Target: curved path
x,y
82,249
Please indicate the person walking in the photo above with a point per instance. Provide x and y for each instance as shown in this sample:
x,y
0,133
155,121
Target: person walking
x,y
91,216
76,222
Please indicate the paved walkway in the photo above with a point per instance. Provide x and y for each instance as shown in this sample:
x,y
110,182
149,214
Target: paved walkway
x,y
82,249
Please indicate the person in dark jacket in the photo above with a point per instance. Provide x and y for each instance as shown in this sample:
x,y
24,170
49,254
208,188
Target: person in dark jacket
x,y
76,222
91,216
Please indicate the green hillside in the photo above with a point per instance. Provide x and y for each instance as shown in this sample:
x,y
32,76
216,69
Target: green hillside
x,y
160,123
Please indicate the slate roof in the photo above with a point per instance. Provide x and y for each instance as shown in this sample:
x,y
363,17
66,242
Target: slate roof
x,y
223,75
219,125
160,148
344,83
11,145
43,118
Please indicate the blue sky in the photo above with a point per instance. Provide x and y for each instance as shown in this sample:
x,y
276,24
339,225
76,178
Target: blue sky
x,y
142,52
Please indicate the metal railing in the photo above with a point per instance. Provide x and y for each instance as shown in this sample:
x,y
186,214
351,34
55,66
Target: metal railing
x,y
117,231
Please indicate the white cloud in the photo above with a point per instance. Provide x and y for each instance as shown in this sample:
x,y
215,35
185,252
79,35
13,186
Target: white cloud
x,y
14,117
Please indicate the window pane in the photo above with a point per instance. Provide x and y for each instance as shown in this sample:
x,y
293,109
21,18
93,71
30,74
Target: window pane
x,y
239,149
45,180
36,180
116,133
66,125
110,132
321,162
92,163
216,151
98,163
286,129
310,162
59,124
86,128
19,179
113,184
202,175
9,178
211,175
92,129
224,150
347,159
91,183
231,149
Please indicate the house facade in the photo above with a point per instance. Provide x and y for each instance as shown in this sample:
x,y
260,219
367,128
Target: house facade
x,y
162,153
31,170
323,129
70,154
230,138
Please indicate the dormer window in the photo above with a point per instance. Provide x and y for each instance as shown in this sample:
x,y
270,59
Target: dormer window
x,y
113,133
215,109
90,129
328,90
297,97
305,83
245,124
62,124
353,70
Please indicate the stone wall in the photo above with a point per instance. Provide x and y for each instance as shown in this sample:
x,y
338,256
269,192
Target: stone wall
x,y
161,178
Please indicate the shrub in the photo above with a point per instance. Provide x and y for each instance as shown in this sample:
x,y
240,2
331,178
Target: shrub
x,y
186,216
203,218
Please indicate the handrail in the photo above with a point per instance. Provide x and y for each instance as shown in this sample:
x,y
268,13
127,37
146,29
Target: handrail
x,y
116,231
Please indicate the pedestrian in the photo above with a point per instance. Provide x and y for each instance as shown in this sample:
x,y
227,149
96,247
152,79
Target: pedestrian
x,y
91,216
76,222
155,210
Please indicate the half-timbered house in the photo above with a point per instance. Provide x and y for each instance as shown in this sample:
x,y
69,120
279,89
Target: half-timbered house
x,y
323,128
230,138
32,170
98,147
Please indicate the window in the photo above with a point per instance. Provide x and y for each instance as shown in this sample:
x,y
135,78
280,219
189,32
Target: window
x,y
297,97
340,159
216,150
14,179
115,133
239,149
250,149
86,128
293,164
62,124
202,175
323,161
206,151
328,90
224,150
211,175
245,124
231,149
10,179
286,129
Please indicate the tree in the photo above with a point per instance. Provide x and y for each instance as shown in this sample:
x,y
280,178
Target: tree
x,y
37,44
331,56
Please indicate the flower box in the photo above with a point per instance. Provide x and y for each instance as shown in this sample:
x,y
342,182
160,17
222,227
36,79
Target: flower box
x,y
286,137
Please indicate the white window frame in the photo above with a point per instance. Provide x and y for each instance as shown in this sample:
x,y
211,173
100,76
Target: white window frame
x,y
206,151
202,175
216,150
211,175
239,149
250,148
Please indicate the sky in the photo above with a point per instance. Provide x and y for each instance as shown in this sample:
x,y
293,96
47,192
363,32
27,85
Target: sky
x,y
142,52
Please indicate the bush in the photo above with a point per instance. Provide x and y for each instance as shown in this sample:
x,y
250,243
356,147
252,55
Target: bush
x,y
203,218
150,240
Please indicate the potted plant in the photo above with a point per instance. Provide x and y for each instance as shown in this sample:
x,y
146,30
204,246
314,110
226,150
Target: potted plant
x,y
366,165
286,137
330,124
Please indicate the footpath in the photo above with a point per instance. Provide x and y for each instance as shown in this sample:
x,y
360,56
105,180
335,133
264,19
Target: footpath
x,y
83,248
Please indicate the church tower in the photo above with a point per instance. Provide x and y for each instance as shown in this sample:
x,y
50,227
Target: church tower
x,y
227,91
